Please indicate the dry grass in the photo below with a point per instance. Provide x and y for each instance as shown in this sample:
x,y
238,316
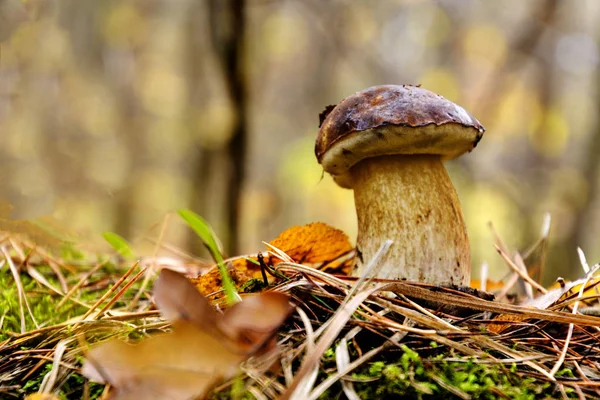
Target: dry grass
x,y
347,335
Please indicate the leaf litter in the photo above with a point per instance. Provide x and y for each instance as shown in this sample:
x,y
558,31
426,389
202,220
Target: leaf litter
x,y
203,348
341,326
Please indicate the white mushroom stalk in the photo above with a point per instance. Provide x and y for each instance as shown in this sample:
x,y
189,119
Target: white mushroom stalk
x,y
411,200
387,143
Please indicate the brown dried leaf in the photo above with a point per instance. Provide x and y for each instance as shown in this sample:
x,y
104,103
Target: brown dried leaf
x,y
183,364
251,323
178,300
204,348
317,244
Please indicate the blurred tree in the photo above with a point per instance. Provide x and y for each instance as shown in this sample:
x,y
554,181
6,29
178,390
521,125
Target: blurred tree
x,y
228,33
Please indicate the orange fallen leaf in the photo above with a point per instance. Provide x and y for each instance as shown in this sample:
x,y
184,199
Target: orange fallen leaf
x,y
41,396
592,288
556,294
316,244
503,322
241,270
490,285
204,347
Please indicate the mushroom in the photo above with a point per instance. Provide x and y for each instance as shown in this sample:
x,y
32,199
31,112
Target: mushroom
x,y
388,144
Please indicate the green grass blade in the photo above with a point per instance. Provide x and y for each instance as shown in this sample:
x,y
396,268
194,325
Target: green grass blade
x,y
203,229
119,243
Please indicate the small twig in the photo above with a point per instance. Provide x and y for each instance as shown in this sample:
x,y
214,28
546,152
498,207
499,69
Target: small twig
x,y
492,306
483,276
544,233
120,317
42,280
580,371
561,388
149,274
499,242
51,261
583,261
521,273
278,253
579,392
20,292
563,353
514,277
79,284
306,385
492,344
371,269
110,291
120,293
519,263
326,384
50,379
429,314
321,275
338,321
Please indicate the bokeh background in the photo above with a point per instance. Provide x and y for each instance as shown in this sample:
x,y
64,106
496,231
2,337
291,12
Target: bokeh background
x,y
114,113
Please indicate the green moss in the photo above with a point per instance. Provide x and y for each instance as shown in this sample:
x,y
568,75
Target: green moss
x,y
411,377
43,304
72,388
42,301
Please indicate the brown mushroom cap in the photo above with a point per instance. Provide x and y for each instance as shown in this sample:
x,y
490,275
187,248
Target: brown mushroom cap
x,y
392,119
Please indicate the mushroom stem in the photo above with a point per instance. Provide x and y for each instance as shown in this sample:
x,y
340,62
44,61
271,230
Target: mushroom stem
x,y
410,200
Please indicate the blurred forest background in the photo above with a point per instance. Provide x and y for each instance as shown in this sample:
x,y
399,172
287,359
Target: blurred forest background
x,y
114,113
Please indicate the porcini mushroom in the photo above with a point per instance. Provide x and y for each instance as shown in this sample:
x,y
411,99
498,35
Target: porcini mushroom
x,y
388,144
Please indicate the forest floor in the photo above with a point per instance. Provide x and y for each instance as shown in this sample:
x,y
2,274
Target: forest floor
x,y
343,339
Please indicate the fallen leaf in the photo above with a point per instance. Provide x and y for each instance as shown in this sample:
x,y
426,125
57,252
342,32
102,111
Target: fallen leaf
x,y
252,323
204,347
490,285
556,295
317,244
177,299
183,364
592,288
241,270
503,322
41,396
